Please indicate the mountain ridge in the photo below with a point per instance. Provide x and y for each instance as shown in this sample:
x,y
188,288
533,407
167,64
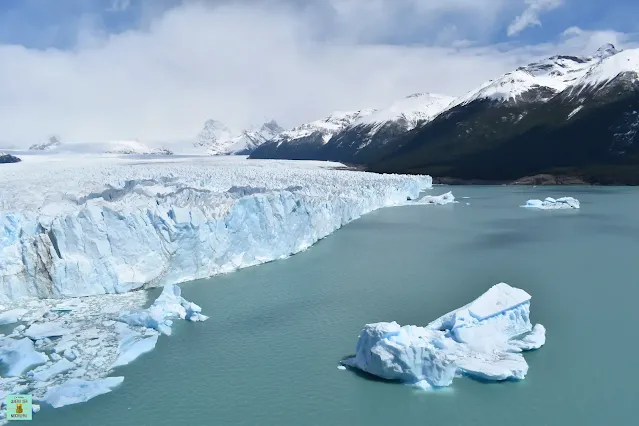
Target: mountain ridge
x,y
563,115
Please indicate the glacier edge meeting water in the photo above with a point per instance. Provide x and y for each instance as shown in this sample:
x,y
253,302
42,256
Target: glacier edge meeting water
x,y
160,223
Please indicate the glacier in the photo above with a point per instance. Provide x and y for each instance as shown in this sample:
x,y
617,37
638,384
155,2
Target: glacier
x,y
483,339
553,204
86,225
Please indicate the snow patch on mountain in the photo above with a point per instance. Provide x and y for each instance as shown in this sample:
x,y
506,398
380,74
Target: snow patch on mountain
x,y
555,74
611,66
327,127
411,110
220,140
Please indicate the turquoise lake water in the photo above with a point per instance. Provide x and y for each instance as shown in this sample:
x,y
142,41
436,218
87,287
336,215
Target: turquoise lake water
x,y
268,355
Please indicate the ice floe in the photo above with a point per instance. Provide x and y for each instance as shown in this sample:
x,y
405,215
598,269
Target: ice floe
x,y
74,391
64,356
553,204
447,198
482,339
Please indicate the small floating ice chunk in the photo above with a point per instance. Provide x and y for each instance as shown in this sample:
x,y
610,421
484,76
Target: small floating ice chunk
x,y
47,329
132,345
62,366
18,355
442,199
553,204
12,316
74,391
169,305
482,339
341,367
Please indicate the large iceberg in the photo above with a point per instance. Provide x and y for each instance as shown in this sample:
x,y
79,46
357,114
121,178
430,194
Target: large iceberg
x,y
553,204
483,339
92,225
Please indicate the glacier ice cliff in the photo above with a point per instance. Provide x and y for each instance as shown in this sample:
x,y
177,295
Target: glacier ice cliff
x,y
94,225
553,204
483,339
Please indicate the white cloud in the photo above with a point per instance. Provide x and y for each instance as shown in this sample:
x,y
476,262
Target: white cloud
x,y
235,63
119,5
530,16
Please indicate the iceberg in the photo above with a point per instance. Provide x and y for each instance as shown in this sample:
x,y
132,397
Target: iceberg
x,y
447,198
553,204
18,355
168,306
74,391
61,366
12,316
47,329
104,225
132,344
483,339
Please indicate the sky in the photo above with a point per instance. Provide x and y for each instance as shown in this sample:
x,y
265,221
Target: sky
x,y
156,70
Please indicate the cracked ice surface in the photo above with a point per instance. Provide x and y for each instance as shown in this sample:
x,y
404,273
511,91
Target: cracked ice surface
x,y
72,367
483,339
87,225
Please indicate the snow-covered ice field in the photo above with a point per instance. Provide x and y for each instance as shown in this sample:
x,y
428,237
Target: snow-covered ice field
x,y
87,225
78,233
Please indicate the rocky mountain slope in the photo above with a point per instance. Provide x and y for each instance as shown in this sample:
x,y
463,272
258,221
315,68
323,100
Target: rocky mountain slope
x,y
567,116
52,143
218,139
306,142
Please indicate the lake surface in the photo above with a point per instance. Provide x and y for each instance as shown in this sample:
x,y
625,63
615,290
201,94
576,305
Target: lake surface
x,y
268,355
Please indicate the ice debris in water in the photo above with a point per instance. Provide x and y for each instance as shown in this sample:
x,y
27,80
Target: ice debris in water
x,y
18,355
74,391
482,339
170,305
85,338
553,204
447,198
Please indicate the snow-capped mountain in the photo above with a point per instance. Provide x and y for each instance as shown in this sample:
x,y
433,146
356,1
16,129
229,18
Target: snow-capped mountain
x,y
367,136
305,141
408,112
538,81
349,136
565,115
529,120
218,139
51,144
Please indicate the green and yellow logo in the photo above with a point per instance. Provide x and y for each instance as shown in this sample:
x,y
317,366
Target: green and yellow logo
x,y
19,407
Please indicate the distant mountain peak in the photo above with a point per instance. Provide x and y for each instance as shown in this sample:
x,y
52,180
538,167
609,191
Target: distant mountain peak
x,y
218,139
608,49
52,143
272,126
416,95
